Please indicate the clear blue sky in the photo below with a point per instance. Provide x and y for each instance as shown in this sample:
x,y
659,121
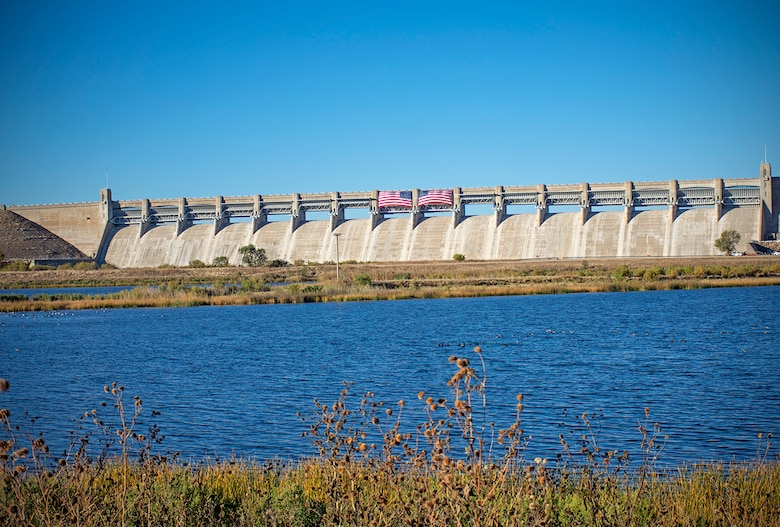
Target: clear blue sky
x,y
233,98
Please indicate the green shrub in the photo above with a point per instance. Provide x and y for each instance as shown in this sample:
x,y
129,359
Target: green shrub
x,y
221,261
85,266
13,297
252,256
43,297
363,279
687,270
255,284
621,272
197,264
459,257
653,273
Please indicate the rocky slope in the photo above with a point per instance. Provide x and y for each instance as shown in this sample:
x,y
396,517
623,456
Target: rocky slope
x,y
21,239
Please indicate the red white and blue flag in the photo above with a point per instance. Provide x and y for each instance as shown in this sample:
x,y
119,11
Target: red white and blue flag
x,y
395,198
435,197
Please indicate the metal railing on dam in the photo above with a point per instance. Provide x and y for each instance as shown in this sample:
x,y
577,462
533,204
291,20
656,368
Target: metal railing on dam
x,y
676,195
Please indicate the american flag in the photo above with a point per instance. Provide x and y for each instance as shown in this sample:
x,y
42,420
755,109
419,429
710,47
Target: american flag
x,y
395,198
435,197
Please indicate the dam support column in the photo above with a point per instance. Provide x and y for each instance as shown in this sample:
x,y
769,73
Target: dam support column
x,y
336,212
766,220
541,204
106,215
457,207
221,219
416,215
376,216
182,221
259,218
498,204
718,186
673,188
297,214
628,201
584,203
146,223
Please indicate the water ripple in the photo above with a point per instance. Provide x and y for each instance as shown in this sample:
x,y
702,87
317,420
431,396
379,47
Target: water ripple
x,y
230,380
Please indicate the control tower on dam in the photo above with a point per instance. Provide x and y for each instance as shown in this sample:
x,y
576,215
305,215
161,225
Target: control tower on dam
x,y
629,219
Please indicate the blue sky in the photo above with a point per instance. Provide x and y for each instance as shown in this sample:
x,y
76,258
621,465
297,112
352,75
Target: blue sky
x,y
235,98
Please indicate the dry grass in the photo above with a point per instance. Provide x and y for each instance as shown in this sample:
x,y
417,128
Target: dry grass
x,y
389,282
373,470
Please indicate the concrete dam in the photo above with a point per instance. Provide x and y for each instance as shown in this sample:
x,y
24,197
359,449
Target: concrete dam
x,y
663,218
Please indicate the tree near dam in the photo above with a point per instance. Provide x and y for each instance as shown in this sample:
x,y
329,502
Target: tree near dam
x,y
252,256
728,241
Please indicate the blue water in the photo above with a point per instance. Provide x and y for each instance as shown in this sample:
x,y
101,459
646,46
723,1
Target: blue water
x,y
230,380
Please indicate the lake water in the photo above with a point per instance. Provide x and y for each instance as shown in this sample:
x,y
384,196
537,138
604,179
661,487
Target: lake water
x,y
230,380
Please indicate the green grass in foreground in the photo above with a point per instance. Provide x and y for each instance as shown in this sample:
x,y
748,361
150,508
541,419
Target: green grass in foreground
x,y
370,471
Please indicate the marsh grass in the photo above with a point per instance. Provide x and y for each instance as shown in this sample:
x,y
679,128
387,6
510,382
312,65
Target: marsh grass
x,y
333,292
371,467
317,283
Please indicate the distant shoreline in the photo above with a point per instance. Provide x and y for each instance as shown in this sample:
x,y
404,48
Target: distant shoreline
x,y
170,287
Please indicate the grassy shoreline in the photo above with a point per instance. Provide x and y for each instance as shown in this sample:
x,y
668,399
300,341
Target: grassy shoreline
x,y
333,493
454,470
390,281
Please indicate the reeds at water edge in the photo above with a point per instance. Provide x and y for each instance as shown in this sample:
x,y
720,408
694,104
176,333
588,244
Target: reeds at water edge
x,y
373,468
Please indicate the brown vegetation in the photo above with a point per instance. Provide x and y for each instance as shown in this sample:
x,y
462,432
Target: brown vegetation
x,y
386,281
370,470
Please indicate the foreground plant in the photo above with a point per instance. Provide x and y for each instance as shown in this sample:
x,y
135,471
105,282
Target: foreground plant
x,y
453,468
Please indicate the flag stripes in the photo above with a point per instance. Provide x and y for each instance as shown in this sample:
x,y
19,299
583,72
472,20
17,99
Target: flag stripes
x,y
435,197
395,198
403,198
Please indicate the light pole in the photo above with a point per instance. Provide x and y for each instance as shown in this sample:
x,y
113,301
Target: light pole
x,y
338,273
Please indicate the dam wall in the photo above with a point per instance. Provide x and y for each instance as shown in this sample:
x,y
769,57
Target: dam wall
x,y
561,235
631,219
